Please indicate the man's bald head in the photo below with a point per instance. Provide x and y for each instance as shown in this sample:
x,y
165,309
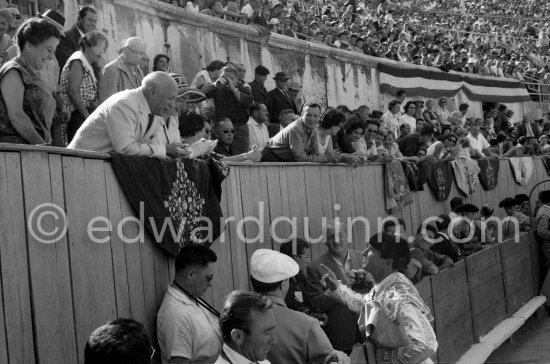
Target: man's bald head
x,y
160,91
133,50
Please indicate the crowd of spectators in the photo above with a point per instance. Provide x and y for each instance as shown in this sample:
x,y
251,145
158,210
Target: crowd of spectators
x,y
487,38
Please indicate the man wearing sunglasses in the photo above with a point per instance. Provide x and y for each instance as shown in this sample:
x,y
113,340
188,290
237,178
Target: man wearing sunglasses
x,y
124,72
187,326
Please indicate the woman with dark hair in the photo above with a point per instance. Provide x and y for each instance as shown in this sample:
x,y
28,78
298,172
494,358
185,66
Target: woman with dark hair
x,y
390,119
161,62
208,75
328,127
408,117
79,86
27,107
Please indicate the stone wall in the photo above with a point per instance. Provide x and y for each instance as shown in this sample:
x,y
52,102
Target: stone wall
x,y
327,75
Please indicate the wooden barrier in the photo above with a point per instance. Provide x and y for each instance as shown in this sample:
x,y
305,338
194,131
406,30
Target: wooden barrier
x,y
486,286
54,295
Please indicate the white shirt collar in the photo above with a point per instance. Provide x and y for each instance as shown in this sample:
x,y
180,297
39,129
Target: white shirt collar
x,y
236,358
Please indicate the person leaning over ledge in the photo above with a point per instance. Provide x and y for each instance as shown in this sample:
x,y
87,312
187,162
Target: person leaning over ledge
x,y
298,142
126,122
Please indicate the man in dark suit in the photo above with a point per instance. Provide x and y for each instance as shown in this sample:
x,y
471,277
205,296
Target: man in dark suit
x,y
70,40
341,326
528,129
279,99
259,92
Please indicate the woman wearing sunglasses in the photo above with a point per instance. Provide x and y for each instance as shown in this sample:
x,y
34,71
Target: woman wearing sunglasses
x,y
443,149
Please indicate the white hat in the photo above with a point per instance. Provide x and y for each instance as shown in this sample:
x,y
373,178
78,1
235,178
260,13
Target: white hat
x,y
270,266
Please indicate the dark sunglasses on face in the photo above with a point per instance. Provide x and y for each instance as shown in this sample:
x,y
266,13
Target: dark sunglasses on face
x,y
228,131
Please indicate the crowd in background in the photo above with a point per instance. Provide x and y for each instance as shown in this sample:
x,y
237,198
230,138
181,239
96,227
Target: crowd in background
x,y
487,38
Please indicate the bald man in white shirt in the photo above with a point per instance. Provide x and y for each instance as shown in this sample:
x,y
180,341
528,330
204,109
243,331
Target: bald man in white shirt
x,y
128,121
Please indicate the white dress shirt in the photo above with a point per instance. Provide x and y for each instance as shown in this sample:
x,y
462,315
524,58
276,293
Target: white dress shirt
x,y
121,125
258,134
478,143
230,356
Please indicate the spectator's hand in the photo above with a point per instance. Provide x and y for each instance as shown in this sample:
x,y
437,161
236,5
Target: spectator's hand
x,y
177,150
334,156
329,279
253,156
342,357
350,275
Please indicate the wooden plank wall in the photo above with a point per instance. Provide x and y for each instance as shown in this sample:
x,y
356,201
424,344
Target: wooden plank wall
x,y
54,295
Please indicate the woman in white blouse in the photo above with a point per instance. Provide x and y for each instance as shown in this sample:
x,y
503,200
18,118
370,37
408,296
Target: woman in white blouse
x,y
408,117
390,119
328,127
395,295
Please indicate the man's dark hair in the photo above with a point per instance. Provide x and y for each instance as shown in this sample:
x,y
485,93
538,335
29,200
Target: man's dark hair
x,y
301,245
400,93
344,109
215,66
195,255
312,105
190,123
236,311
373,122
332,117
262,287
122,341
255,107
455,202
427,227
84,11
463,106
392,104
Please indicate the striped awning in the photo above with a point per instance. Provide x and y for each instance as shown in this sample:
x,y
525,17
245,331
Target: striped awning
x,y
436,83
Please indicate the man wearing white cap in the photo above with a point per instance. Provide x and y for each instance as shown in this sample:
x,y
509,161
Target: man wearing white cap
x,y
124,72
300,338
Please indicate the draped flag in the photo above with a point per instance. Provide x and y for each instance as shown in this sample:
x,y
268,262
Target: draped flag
x,y
522,168
397,190
433,83
439,175
178,198
488,174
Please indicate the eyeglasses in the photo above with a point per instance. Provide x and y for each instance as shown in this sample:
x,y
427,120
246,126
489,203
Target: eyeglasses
x,y
452,140
228,131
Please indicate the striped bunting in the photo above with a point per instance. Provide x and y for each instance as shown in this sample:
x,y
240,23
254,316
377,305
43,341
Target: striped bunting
x,y
435,83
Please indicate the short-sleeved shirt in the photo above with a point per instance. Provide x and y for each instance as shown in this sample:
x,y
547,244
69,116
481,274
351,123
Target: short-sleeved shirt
x,y
186,329
478,143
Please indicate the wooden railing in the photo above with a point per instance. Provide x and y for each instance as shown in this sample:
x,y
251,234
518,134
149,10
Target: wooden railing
x,y
54,295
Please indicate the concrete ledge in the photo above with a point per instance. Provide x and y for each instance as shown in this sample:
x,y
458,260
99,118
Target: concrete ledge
x,y
530,307
480,352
